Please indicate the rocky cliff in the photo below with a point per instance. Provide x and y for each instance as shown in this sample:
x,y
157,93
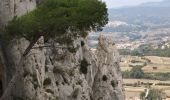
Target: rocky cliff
x,y
55,72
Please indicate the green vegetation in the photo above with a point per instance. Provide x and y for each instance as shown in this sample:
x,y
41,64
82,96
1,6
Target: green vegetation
x,y
126,74
138,84
63,20
146,51
136,72
146,59
157,76
163,84
58,17
133,85
154,94
135,65
135,61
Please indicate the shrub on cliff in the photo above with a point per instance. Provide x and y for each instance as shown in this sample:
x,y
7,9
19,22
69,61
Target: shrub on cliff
x,y
66,19
52,19
60,17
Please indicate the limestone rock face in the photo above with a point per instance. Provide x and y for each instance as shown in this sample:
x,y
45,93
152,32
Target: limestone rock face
x,y
108,80
58,72
55,73
11,8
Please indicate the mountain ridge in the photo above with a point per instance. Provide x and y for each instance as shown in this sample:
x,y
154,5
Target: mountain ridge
x,y
153,12
164,3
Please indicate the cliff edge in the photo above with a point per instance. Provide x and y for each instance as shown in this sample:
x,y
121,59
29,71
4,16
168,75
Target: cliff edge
x,y
55,72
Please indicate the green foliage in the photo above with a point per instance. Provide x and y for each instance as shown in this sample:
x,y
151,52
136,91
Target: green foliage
x,y
135,84
163,84
157,76
113,83
135,61
154,94
131,65
142,96
146,59
146,51
162,76
60,17
151,76
126,74
83,66
136,72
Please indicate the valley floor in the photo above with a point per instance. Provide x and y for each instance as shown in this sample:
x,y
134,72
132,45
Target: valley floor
x,y
134,87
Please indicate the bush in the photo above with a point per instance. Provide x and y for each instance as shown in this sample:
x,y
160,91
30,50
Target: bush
x,y
135,85
154,94
136,72
130,65
163,84
129,84
135,61
146,50
57,17
126,74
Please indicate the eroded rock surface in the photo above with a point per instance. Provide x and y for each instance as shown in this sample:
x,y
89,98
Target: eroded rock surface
x,y
56,72
108,80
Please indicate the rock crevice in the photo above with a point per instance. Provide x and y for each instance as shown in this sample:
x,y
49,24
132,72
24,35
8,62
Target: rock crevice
x,y
55,73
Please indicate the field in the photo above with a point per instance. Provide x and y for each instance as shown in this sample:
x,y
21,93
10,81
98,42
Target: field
x,y
162,64
151,64
156,64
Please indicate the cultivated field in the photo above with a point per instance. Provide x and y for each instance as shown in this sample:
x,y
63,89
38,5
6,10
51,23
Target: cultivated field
x,y
161,64
152,65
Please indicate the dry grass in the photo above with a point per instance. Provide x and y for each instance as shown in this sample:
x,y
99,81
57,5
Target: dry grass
x,y
160,68
163,66
159,60
143,80
134,92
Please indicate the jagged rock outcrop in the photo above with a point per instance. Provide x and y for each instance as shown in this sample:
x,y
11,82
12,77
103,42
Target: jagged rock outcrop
x,y
56,72
108,80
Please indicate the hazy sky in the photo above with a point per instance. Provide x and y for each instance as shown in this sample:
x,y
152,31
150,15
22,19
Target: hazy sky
x,y
120,3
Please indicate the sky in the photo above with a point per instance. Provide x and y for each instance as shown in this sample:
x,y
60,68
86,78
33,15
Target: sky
x,y
121,3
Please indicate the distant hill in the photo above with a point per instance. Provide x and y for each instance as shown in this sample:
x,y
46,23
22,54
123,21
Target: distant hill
x,y
153,13
165,3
